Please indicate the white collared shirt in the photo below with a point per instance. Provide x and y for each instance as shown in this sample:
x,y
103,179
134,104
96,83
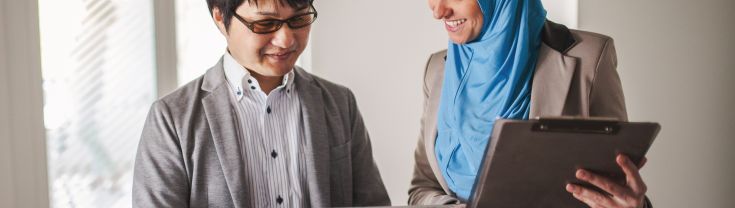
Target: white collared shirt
x,y
272,130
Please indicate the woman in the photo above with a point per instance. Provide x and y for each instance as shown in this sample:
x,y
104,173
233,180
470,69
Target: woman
x,y
505,60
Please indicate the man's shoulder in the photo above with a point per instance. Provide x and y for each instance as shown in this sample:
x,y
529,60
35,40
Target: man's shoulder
x,y
183,97
329,87
186,91
196,89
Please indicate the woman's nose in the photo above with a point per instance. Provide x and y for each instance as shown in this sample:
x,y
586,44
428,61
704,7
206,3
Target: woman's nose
x,y
440,9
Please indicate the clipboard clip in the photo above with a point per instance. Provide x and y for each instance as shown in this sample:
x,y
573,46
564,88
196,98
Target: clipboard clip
x,y
577,125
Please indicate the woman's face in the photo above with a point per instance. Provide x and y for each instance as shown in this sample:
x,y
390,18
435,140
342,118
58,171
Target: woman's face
x,y
462,18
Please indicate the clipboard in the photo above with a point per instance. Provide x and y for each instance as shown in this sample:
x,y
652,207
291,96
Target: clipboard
x,y
528,162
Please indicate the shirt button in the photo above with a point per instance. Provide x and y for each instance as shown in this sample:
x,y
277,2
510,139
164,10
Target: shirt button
x,y
239,93
279,200
274,154
268,110
250,81
252,87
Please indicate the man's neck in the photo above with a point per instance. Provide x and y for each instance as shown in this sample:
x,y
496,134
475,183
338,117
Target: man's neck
x,y
267,83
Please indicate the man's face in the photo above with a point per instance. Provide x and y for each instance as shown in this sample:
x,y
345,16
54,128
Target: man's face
x,y
271,54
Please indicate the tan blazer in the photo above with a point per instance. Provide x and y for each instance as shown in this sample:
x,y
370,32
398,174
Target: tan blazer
x,y
575,76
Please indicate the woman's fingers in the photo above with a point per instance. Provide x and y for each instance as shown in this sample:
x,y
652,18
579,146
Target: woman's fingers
x,y
589,197
632,176
629,194
603,183
642,163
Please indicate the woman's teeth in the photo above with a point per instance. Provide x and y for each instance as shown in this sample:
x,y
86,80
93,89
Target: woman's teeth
x,y
455,23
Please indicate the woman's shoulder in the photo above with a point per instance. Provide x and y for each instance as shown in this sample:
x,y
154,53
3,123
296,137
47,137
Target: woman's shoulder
x,y
434,70
582,35
578,43
590,45
436,60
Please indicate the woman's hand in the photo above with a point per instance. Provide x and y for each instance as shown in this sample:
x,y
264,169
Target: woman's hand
x,y
630,195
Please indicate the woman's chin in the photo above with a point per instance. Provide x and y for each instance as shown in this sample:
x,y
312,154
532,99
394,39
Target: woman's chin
x,y
458,39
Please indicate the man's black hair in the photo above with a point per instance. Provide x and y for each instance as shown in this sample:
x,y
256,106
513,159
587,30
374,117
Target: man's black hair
x,y
228,7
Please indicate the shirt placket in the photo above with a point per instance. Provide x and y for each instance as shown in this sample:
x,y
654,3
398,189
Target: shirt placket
x,y
278,149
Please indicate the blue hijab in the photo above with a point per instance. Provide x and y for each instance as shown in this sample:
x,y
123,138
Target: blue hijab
x,y
485,79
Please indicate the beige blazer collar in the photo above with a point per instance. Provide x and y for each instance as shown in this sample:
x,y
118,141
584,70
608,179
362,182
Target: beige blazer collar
x,y
551,81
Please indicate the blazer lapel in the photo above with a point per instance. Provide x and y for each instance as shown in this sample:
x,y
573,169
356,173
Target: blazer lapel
x,y
317,150
222,121
551,81
431,120
429,145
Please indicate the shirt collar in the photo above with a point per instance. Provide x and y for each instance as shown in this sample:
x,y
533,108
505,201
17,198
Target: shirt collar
x,y
240,79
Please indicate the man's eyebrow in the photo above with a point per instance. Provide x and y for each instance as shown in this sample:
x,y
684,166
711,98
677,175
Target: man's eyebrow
x,y
268,13
302,8
275,14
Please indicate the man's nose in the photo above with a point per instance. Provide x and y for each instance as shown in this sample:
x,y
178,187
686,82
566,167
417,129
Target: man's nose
x,y
284,37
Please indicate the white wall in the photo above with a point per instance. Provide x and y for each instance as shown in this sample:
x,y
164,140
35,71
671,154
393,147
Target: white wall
x,y
379,48
562,11
676,63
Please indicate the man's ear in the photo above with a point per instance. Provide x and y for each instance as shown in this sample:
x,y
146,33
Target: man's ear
x,y
219,20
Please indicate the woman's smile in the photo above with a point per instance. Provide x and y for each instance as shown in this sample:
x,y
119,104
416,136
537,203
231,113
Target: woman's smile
x,y
454,25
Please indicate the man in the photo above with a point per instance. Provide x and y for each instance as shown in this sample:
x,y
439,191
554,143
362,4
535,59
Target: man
x,y
256,130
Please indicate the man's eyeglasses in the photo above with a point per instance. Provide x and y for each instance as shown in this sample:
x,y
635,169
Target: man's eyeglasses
x,y
271,25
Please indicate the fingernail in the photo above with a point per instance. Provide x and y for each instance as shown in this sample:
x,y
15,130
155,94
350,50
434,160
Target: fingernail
x,y
570,188
581,173
621,159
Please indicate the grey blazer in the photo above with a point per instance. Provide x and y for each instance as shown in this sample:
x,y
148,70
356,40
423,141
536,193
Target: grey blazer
x,y
575,76
189,154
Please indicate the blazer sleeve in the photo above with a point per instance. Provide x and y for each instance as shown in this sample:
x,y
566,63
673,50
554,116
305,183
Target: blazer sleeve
x,y
368,187
606,93
425,188
159,177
